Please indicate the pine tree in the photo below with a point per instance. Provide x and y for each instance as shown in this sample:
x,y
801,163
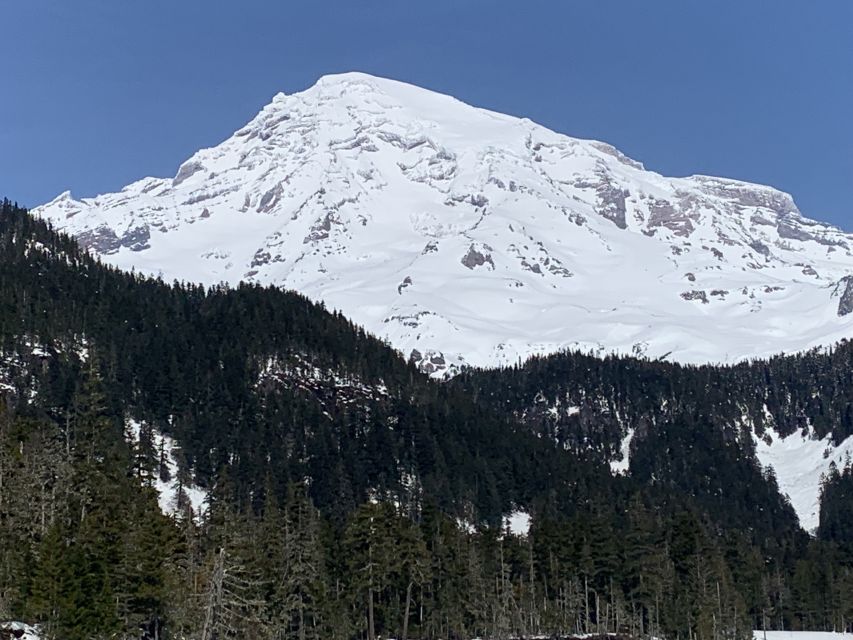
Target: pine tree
x,y
367,547
48,590
412,565
299,577
230,601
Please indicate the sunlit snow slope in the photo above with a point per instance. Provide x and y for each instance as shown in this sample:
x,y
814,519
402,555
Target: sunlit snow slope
x,y
801,462
467,236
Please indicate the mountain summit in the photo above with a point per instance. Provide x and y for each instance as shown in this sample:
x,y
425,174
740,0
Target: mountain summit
x,y
464,236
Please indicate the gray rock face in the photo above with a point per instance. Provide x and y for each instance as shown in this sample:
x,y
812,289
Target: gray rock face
x,y
321,228
611,204
475,258
407,282
792,233
270,199
701,296
429,362
261,258
760,247
137,239
789,231
845,302
621,157
100,239
104,240
664,214
187,169
749,195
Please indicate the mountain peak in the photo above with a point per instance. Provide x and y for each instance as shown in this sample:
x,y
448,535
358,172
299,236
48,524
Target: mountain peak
x,y
465,236
355,84
367,83
351,77
337,83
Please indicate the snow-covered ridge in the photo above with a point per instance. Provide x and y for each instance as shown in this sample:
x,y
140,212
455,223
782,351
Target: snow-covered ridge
x,y
465,236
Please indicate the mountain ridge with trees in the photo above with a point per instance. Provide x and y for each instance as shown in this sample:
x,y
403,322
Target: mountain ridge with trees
x,y
350,496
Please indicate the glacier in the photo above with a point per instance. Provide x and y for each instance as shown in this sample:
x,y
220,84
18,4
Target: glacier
x,y
466,237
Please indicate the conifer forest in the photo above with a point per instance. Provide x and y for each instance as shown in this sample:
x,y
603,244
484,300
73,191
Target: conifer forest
x,y
207,463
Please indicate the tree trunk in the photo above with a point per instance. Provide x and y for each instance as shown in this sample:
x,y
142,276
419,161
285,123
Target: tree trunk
x,y
371,632
214,597
406,615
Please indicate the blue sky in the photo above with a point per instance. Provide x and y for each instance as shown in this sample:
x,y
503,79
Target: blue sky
x,y
97,93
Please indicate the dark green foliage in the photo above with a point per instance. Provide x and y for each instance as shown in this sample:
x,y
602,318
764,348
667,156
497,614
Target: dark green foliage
x,y
336,474
836,513
233,376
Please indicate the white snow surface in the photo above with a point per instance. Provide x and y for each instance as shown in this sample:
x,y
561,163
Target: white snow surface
x,y
518,522
167,491
800,462
27,631
472,237
623,464
800,635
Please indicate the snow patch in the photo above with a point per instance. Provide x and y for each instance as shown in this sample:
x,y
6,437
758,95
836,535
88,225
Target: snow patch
x,y
517,523
800,635
466,526
621,466
20,630
167,490
800,463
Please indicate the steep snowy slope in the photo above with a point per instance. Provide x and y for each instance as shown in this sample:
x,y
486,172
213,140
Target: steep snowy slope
x,y
801,463
466,236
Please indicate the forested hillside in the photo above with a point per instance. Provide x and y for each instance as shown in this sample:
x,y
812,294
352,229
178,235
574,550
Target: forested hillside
x,y
260,380
812,390
349,496
600,405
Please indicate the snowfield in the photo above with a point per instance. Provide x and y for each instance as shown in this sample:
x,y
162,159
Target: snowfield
x,y
31,633
464,236
800,635
800,463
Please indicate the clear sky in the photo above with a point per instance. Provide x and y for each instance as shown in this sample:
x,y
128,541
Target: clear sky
x,y
95,94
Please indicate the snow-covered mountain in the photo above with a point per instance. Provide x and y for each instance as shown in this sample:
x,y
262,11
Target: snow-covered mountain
x,y
464,236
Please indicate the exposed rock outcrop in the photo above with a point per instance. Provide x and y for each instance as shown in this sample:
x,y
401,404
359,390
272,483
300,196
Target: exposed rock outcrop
x,y
844,289
478,257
